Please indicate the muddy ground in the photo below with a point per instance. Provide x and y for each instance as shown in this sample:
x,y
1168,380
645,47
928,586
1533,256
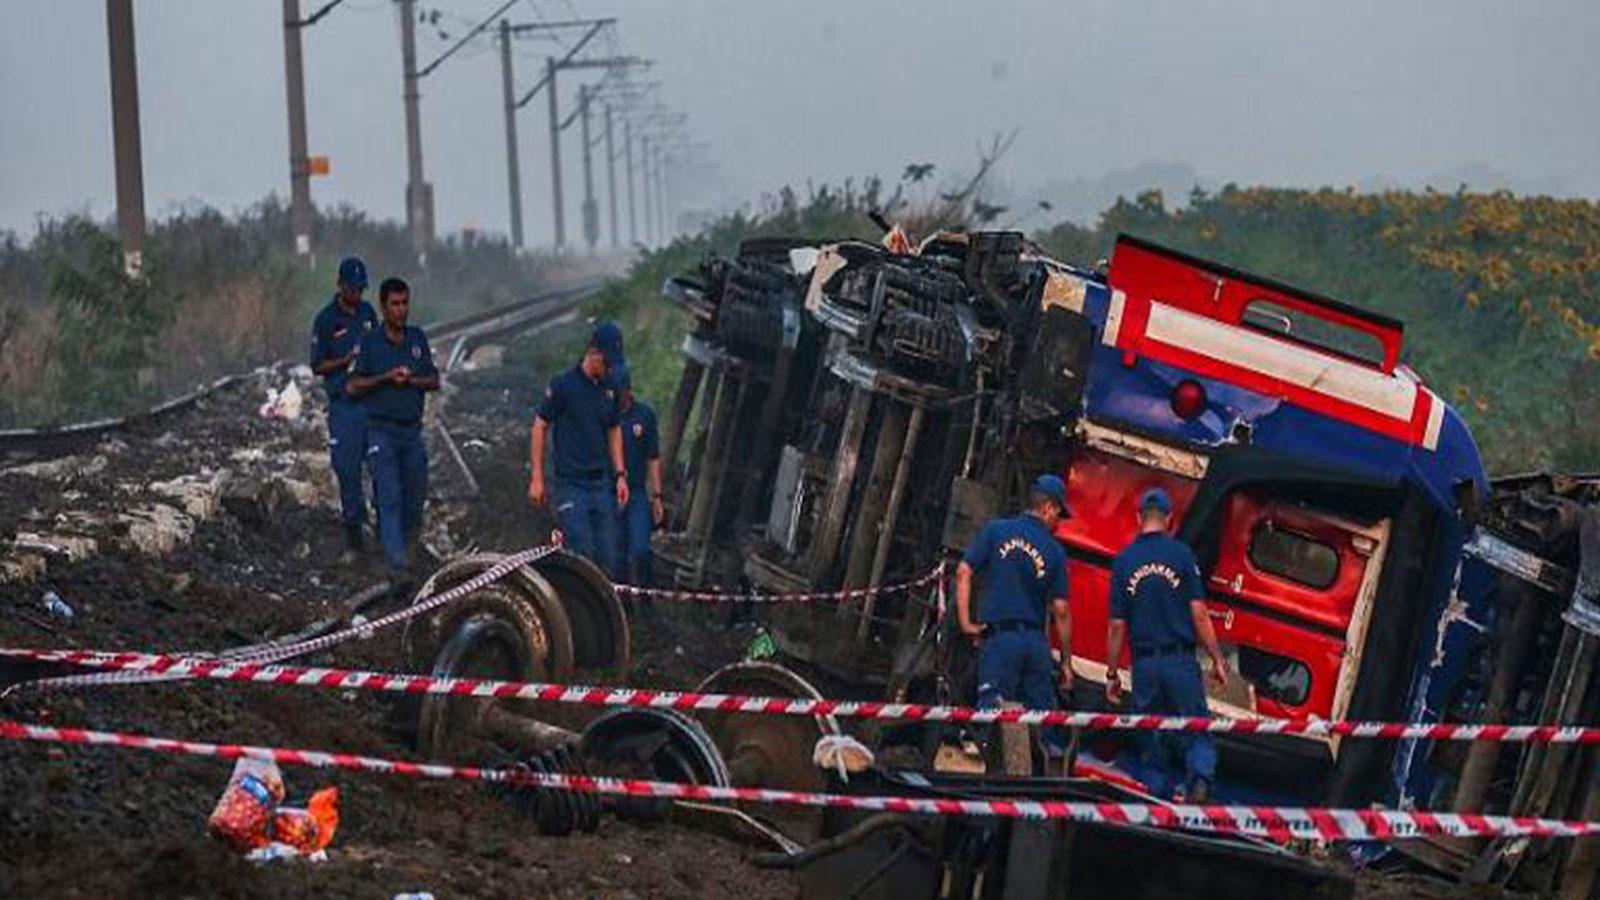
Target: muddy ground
x,y
80,822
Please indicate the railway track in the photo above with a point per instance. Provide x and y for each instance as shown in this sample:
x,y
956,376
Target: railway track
x,y
460,335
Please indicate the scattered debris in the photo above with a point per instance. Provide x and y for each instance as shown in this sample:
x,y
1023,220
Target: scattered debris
x,y
282,404
57,606
242,818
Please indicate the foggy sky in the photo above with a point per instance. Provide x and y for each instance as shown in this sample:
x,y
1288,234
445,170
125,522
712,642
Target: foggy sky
x,y
1105,95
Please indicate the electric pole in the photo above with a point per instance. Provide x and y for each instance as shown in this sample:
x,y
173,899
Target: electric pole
x,y
611,178
644,182
419,194
125,134
557,203
627,153
661,196
299,161
513,176
591,210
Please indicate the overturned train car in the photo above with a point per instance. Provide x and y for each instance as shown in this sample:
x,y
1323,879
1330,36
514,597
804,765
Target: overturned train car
x,y
848,416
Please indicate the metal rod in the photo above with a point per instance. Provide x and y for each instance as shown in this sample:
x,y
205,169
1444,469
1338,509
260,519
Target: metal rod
x,y
880,556
476,29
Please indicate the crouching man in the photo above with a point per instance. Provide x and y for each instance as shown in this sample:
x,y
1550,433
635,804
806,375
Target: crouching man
x,y
393,371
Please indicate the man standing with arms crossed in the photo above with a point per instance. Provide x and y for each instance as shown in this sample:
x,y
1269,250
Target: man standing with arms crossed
x,y
1025,580
591,474
335,334
1158,603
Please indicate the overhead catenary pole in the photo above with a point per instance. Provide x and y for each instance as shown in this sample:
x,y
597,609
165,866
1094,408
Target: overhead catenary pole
x,y
299,160
611,179
644,180
591,210
627,154
419,194
125,134
661,197
513,176
557,204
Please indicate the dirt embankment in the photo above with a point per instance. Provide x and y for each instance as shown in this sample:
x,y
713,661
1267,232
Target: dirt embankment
x,y
82,822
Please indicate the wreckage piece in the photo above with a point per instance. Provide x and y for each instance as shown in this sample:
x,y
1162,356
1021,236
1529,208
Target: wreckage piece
x,y
761,751
547,622
657,744
601,643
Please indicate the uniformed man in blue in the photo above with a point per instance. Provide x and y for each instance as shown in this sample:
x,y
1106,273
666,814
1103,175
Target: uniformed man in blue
x,y
334,335
393,370
1024,572
641,450
580,405
1158,603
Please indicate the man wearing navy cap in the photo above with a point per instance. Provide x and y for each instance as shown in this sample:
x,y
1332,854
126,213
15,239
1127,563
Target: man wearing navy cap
x,y
1025,579
641,449
1158,603
393,371
580,405
335,334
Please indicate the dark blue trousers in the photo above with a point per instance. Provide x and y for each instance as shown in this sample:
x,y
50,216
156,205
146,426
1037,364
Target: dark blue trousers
x,y
634,563
587,512
399,461
1016,666
1172,684
347,448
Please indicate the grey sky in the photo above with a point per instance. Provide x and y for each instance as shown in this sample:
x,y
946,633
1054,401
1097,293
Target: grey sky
x,y
1282,92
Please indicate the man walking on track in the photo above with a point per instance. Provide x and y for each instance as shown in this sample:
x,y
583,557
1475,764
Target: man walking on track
x,y
1157,601
580,405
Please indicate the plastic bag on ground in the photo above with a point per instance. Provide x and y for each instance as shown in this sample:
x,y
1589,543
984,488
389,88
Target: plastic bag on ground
x,y
308,830
243,814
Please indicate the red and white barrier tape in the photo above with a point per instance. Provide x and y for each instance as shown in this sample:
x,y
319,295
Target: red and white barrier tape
x,y
265,654
164,665
844,595
1272,822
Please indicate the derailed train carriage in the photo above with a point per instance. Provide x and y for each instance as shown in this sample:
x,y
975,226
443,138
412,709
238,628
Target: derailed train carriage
x,y
849,416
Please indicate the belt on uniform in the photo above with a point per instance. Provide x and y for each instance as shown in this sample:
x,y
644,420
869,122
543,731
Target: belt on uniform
x,y
592,476
1176,648
997,627
393,422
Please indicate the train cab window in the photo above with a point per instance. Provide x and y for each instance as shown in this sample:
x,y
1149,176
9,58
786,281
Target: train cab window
x,y
1302,327
1293,556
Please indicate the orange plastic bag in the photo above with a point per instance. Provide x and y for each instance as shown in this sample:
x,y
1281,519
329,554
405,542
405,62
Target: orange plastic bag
x,y
311,829
244,811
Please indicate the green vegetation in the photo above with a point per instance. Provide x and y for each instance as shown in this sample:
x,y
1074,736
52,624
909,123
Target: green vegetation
x,y
221,294
1500,294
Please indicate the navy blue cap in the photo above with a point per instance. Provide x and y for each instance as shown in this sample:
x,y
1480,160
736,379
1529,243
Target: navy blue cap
x,y
1157,499
1053,487
607,337
353,273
